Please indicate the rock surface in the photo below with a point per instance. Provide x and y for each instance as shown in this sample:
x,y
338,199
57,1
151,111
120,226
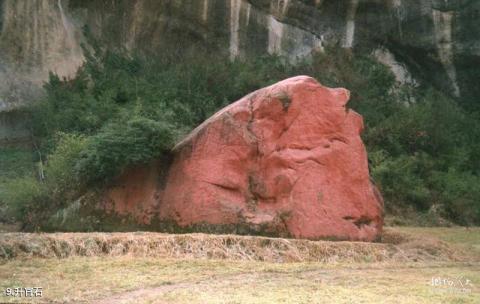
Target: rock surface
x,y
286,160
436,40
431,41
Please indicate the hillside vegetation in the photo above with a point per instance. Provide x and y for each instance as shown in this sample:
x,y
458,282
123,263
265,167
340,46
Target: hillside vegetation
x,y
119,110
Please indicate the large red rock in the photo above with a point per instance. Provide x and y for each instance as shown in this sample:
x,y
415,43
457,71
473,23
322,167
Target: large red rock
x,y
285,160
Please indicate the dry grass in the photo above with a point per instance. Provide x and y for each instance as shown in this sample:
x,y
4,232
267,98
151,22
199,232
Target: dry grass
x,y
397,246
399,286
468,238
197,268
116,280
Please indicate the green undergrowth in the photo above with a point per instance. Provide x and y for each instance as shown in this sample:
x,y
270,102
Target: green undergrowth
x,y
121,110
16,167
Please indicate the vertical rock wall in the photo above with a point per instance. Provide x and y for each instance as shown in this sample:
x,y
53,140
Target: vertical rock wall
x,y
434,40
36,37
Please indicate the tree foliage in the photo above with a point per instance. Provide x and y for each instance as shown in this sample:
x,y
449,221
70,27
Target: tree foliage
x,y
122,109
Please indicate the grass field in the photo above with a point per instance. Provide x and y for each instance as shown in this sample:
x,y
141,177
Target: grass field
x,y
134,278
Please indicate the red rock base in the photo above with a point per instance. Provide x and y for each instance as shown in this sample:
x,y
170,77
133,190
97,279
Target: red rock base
x,y
286,160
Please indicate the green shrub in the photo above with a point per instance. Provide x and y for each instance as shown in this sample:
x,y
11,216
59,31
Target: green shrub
x,y
458,194
402,181
20,194
60,175
15,162
424,148
119,145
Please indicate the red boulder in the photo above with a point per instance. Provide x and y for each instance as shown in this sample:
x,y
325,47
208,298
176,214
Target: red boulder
x,y
286,160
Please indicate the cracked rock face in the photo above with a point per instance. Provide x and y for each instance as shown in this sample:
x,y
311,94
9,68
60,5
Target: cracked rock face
x,y
286,160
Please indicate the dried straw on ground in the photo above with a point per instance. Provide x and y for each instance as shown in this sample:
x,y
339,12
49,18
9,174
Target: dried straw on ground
x,y
395,247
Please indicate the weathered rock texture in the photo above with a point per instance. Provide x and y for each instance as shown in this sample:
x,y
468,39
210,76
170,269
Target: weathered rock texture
x,y
286,160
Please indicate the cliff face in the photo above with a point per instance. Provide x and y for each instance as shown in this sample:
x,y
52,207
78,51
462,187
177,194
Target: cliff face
x,y
429,40
36,37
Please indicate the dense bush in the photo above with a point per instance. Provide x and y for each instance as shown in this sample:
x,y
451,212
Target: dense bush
x,y
120,144
119,110
20,193
425,155
31,196
60,176
15,165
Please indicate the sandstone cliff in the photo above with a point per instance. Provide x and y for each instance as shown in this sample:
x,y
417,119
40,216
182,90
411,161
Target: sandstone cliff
x,y
435,41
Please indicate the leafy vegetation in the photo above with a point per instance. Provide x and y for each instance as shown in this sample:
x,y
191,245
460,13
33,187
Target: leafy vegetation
x,y
15,163
119,110
423,146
